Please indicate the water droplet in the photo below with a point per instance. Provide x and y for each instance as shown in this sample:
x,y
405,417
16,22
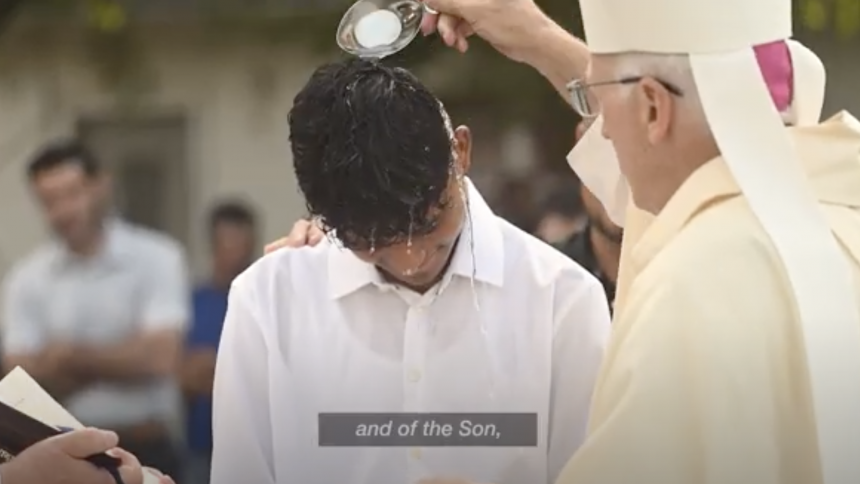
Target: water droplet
x,y
411,224
471,251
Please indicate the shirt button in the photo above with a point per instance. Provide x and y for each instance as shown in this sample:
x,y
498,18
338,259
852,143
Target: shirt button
x,y
415,454
414,375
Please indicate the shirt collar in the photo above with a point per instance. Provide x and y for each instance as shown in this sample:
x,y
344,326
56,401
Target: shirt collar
x,y
112,252
479,253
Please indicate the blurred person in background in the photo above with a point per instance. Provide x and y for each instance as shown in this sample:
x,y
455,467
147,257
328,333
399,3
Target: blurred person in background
x,y
97,315
516,204
232,233
597,248
562,216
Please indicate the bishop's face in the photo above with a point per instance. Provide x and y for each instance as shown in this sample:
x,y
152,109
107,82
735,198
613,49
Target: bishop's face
x,y
638,111
619,110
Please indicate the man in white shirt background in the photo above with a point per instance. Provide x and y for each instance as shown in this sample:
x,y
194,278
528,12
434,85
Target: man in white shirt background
x,y
420,300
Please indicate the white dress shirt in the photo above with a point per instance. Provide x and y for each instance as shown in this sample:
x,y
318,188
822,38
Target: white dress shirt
x,y
316,330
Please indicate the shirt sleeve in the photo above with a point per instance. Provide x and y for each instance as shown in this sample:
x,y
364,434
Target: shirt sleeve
x,y
241,418
582,329
22,332
687,393
167,298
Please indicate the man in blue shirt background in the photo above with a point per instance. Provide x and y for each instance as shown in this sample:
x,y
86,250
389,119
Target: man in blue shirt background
x,y
232,231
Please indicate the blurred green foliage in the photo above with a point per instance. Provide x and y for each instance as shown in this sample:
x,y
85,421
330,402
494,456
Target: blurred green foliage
x,y
837,17
484,72
314,27
106,15
841,17
483,76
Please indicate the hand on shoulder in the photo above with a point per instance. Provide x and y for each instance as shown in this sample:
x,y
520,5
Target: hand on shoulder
x,y
304,233
508,25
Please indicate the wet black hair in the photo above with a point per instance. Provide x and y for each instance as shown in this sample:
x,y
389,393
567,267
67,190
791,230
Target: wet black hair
x,y
372,152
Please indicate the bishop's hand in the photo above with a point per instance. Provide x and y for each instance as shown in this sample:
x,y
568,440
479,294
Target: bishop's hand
x,y
508,25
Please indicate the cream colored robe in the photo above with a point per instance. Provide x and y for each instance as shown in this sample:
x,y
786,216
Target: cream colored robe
x,y
705,378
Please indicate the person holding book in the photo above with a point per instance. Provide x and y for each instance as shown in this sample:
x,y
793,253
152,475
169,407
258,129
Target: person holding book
x,y
97,314
60,460
232,234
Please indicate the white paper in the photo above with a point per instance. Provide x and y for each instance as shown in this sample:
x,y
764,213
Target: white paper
x,y
594,160
20,391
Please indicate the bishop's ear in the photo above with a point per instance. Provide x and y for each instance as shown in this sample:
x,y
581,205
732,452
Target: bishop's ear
x,y
656,109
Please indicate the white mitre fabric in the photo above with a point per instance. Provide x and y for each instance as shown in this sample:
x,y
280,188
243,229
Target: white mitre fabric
x,y
718,36
810,80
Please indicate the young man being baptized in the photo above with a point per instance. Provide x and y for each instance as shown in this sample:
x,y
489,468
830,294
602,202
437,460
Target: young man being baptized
x,y
421,300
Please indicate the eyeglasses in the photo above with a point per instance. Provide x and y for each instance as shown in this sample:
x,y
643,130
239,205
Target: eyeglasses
x,y
585,103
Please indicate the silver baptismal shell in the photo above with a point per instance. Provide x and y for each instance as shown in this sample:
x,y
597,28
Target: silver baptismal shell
x,y
409,12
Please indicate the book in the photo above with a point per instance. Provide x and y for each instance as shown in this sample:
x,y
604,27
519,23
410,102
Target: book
x,y
29,414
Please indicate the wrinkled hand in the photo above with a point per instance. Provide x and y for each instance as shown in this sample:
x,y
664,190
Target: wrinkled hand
x,y
129,468
132,472
162,479
59,460
508,25
304,233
